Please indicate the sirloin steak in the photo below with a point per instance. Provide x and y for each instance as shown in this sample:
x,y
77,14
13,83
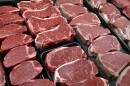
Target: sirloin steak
x,y
2,75
24,72
62,55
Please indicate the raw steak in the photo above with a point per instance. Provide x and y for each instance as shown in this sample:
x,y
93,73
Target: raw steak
x,y
2,76
8,9
37,25
124,78
108,11
11,29
25,71
70,11
126,11
38,82
113,63
88,33
75,72
43,13
10,18
62,55
104,44
76,2
15,41
18,55
87,18
34,5
62,33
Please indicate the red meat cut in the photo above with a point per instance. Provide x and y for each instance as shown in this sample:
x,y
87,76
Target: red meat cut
x,y
15,41
2,75
75,72
126,11
87,18
88,33
43,13
25,71
37,25
18,55
62,55
9,19
124,77
38,82
8,9
11,29
104,44
113,63
69,11
76,2
62,33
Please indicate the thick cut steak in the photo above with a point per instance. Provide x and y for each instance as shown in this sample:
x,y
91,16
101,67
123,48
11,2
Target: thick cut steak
x,y
43,13
37,25
62,33
126,11
76,2
75,72
11,29
104,44
2,75
38,82
10,18
8,9
87,18
62,55
25,71
15,40
18,55
124,78
70,11
88,33
113,63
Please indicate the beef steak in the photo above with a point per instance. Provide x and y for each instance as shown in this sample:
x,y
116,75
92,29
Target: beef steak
x,y
2,75
126,11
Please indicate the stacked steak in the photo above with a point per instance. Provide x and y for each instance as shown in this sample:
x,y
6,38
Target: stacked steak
x,y
2,75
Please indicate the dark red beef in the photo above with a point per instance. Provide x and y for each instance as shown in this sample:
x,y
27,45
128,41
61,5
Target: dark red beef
x,y
126,11
2,76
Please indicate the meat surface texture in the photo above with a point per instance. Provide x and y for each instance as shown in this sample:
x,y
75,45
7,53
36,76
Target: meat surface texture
x,y
8,9
124,78
43,13
62,55
113,63
87,18
126,11
69,11
37,25
24,72
2,75
38,82
18,55
104,44
88,33
15,40
11,29
62,33
68,73
9,19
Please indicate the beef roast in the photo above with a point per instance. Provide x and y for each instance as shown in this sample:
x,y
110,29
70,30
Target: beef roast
x,y
87,18
37,25
38,82
88,33
62,55
25,71
2,75
14,41
62,33
69,11
18,55
10,18
75,72
43,13
104,44
8,9
113,63
126,11
11,29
